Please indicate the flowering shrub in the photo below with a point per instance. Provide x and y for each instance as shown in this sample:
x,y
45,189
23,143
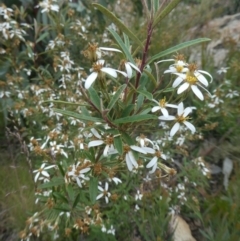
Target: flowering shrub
x,y
105,126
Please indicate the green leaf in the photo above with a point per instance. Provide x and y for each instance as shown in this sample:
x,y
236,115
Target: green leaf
x,y
77,115
93,189
118,144
59,196
43,36
170,89
121,45
94,97
177,48
70,192
56,181
166,11
140,100
135,118
150,76
64,102
145,93
118,22
127,138
126,112
76,201
116,96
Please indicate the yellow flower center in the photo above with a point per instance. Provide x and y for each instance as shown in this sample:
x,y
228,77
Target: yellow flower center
x,y
179,68
162,102
97,67
158,154
191,79
109,140
181,118
126,148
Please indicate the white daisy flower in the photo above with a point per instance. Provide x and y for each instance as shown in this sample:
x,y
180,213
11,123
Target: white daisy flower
x,y
129,157
143,141
180,118
47,6
128,67
42,171
104,193
154,161
192,79
94,53
162,104
98,71
180,66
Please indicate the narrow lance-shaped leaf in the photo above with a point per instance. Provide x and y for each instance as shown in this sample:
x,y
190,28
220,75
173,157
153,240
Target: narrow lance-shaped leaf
x,y
94,97
78,116
135,118
177,48
119,23
56,181
93,189
166,11
150,76
76,201
147,94
116,96
121,44
118,144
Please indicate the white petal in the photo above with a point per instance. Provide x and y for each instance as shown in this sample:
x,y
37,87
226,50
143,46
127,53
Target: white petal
x,y
44,173
174,129
180,109
85,170
99,196
134,67
138,149
78,182
189,126
205,72
90,79
109,71
49,167
167,118
95,133
110,49
101,62
105,151
152,162
177,82
197,92
201,79
187,111
156,108
132,159
171,105
148,149
164,111
122,72
95,143
129,70
36,177
129,163
100,188
165,60
106,186
183,87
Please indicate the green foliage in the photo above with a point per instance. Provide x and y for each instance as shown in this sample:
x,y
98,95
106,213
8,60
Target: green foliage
x,y
104,167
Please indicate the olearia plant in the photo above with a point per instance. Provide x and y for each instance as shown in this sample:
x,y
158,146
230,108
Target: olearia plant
x,y
102,136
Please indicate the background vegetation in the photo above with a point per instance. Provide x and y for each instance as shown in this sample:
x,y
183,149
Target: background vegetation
x,y
219,210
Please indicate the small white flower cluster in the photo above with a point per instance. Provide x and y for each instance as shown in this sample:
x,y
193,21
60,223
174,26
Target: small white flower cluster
x,y
11,28
188,77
